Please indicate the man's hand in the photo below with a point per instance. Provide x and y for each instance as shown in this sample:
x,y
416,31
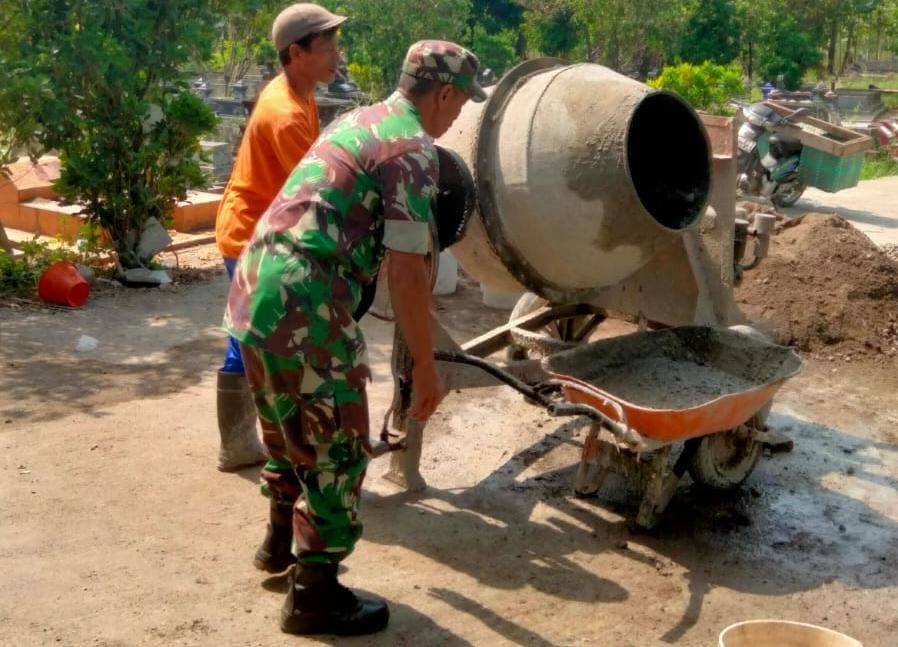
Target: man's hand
x,y
410,293
427,391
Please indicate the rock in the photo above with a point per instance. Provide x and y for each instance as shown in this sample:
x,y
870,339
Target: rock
x,y
86,344
141,276
777,442
87,273
153,240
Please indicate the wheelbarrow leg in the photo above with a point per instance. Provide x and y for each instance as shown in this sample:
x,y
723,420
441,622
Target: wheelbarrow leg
x,y
593,468
404,463
404,469
660,488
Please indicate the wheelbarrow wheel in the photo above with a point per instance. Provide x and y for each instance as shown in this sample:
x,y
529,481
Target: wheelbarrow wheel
x,y
724,460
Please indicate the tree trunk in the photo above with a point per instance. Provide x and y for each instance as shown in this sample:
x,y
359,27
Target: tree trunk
x,y
831,51
849,47
4,241
751,60
520,46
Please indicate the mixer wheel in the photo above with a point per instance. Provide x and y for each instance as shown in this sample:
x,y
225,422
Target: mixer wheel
x,y
561,334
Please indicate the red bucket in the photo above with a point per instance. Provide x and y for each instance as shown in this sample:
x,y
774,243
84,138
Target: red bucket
x,y
63,284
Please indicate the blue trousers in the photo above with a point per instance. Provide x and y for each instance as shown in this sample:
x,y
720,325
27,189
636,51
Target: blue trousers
x,y
233,362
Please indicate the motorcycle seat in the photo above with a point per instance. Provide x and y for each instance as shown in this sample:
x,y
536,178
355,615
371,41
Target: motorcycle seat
x,y
784,146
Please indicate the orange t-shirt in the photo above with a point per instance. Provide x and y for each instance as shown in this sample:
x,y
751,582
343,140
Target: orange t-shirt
x,y
280,131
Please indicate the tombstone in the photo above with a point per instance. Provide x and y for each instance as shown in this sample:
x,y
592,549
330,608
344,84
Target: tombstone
x,y
239,90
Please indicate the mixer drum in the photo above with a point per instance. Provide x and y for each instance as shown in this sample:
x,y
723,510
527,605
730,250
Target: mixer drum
x,y
582,174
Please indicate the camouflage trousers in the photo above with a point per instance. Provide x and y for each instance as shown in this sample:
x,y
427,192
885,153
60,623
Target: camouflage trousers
x,y
317,437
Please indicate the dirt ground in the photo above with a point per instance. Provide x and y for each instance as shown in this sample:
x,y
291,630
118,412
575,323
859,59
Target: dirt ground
x,y
116,529
827,289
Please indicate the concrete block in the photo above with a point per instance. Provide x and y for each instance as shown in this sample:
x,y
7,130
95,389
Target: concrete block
x,y
34,180
54,219
153,240
9,194
47,223
23,218
197,212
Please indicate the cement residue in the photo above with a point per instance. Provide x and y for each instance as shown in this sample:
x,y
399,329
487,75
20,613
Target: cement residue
x,y
677,368
827,288
661,383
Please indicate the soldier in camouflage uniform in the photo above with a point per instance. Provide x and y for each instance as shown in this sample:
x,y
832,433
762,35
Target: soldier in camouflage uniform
x,y
364,189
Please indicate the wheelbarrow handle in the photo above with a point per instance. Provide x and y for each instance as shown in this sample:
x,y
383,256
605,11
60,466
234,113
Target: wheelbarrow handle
x,y
520,386
538,393
620,427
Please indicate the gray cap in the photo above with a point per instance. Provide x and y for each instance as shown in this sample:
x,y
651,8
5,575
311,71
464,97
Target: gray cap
x,y
298,21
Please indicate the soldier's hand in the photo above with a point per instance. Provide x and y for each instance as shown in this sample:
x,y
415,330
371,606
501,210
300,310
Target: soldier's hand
x,y
427,391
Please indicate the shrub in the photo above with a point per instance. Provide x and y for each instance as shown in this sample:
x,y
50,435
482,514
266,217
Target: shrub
x,y
101,83
706,86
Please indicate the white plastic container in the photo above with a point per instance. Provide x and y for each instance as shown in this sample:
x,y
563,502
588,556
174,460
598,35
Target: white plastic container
x,y
782,633
498,299
447,275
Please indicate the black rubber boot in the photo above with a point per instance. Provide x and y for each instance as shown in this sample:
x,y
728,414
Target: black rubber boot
x,y
275,554
240,445
318,604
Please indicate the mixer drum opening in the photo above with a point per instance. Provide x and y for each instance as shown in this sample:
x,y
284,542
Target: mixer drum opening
x,y
668,158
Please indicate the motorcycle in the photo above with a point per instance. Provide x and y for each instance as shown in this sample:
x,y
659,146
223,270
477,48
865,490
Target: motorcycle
x,y
768,161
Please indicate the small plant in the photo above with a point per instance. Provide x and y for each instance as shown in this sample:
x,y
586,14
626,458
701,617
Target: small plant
x,y
19,274
369,78
706,87
882,163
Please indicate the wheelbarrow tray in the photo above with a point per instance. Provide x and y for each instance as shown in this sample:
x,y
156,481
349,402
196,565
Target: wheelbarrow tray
x,y
675,383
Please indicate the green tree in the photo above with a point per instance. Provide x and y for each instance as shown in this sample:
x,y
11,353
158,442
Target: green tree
x,y
21,93
378,34
553,29
632,37
497,51
788,48
778,40
711,33
835,19
243,36
101,83
495,34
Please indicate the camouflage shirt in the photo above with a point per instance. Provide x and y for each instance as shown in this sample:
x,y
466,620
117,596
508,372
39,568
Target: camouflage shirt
x,y
365,186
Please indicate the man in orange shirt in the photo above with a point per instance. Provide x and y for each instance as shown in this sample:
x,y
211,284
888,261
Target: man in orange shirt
x,y
283,126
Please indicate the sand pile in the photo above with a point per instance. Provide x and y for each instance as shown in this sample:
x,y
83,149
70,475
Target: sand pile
x,y
825,288
891,251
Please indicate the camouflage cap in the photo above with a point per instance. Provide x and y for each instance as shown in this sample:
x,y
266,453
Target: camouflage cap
x,y
298,21
440,60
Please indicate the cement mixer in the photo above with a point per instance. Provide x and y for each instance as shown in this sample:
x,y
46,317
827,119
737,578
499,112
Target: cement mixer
x,y
591,191
576,162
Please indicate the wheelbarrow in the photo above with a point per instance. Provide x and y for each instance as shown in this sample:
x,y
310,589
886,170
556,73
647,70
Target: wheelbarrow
x,y
694,392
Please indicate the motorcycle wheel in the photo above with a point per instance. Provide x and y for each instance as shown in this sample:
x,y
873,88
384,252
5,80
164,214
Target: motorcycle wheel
x,y
787,194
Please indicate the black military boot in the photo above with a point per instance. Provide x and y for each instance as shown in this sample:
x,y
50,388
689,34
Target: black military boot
x,y
318,604
275,554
